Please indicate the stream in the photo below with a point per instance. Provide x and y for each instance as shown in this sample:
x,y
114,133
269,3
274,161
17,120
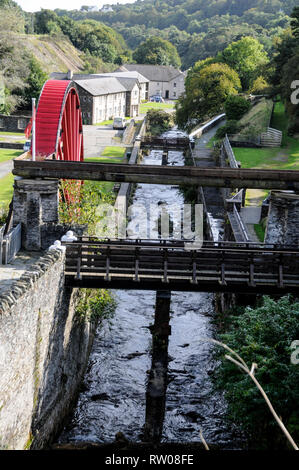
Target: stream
x,y
113,392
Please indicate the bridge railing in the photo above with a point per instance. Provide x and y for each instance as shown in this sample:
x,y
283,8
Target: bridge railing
x,y
11,244
213,267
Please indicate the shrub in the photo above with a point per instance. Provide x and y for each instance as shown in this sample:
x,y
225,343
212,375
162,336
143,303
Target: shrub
x,y
231,127
260,86
235,107
263,335
158,121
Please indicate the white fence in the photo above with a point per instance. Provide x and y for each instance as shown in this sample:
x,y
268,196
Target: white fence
x,y
229,153
10,244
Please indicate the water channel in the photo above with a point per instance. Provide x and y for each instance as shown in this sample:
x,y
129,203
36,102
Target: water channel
x,y
113,395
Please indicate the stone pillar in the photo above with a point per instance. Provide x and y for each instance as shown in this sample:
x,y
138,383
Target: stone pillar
x,y
283,219
35,203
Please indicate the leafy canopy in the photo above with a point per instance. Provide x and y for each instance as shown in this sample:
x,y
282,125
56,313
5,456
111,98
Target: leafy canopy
x,y
246,56
157,51
206,92
263,335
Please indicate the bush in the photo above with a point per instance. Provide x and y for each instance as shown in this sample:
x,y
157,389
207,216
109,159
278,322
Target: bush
x,y
260,87
158,121
235,107
263,335
231,127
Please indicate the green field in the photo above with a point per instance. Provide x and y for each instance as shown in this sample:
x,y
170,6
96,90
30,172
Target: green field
x,y
17,134
6,189
285,157
109,155
144,107
8,154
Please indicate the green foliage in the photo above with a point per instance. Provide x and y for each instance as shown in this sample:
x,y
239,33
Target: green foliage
x,y
295,22
231,127
206,92
85,201
158,121
35,81
246,56
95,305
235,107
157,51
263,335
260,86
197,28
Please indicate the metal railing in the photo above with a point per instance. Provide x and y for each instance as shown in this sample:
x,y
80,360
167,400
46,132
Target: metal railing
x,y
241,224
1,241
229,153
11,244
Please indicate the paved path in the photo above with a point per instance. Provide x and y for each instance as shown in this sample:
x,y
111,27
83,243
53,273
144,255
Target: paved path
x,y
13,271
5,168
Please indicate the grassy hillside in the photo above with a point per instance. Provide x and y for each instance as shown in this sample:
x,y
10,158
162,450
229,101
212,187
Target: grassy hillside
x,y
55,53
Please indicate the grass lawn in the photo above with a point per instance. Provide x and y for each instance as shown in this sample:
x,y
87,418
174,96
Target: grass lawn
x,y
118,152
109,155
6,189
285,157
144,107
17,134
8,154
109,122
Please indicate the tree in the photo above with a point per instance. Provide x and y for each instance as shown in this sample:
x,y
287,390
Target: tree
x,y
157,51
44,21
35,81
295,22
245,56
263,335
235,107
206,92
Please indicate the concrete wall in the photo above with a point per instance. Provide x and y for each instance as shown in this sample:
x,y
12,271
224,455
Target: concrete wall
x,y
43,352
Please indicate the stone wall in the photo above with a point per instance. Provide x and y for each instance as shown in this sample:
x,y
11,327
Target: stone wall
x,y
43,353
283,219
13,123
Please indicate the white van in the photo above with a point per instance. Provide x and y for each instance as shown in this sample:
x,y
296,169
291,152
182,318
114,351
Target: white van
x,y
119,123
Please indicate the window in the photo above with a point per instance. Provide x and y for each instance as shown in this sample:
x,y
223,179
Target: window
x,y
174,85
22,123
174,93
1,123
158,83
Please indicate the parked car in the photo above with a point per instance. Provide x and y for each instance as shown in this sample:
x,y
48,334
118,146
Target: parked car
x,y
27,146
119,123
157,99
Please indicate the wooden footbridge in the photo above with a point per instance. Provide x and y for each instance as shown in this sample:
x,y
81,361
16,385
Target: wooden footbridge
x,y
157,174
167,265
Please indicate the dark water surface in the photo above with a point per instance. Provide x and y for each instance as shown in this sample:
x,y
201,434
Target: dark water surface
x,y
113,396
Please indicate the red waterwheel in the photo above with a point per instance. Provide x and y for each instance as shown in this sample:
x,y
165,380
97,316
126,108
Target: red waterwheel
x,y
59,130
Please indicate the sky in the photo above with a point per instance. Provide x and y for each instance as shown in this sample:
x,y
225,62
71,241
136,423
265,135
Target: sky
x,y
36,5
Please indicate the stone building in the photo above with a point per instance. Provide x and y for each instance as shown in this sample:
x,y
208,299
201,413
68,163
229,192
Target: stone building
x,y
166,81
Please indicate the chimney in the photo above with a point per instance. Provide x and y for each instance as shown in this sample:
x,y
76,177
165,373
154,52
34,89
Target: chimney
x,y
70,75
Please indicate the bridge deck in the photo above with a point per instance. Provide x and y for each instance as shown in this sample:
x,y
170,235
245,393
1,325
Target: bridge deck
x,y
214,177
155,265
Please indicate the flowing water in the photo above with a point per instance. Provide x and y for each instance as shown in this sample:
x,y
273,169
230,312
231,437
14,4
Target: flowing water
x,y
113,396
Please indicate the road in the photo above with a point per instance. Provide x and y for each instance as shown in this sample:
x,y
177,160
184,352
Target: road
x,y
96,138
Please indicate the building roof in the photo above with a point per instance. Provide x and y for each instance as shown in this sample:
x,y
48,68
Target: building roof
x,y
130,74
101,86
154,73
